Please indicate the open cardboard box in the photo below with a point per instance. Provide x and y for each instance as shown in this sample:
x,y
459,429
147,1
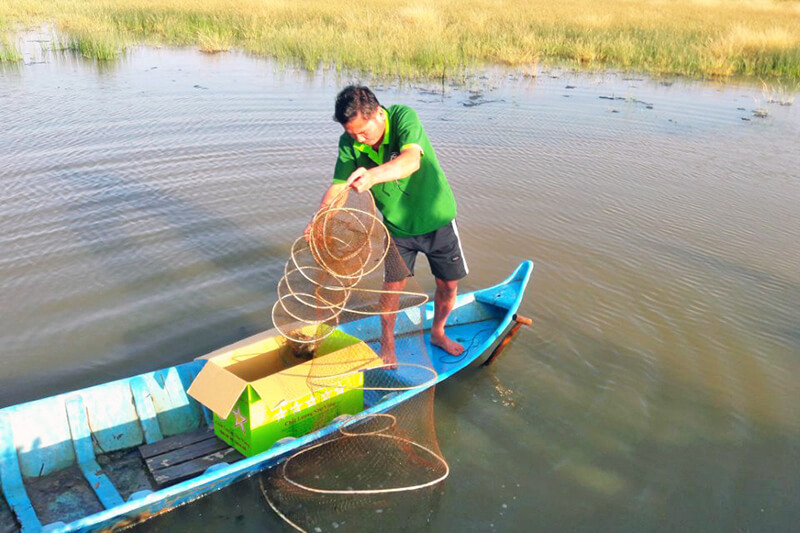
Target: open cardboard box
x,y
260,392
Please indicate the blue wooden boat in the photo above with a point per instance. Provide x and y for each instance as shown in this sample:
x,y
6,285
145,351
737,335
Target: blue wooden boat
x,y
72,462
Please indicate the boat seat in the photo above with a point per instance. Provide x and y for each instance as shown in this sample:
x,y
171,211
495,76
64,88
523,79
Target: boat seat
x,y
504,296
185,456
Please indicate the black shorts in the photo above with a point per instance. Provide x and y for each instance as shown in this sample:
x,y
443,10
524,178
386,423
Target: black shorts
x,y
442,248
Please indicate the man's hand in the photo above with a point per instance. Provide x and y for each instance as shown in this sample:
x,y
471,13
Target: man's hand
x,y
361,180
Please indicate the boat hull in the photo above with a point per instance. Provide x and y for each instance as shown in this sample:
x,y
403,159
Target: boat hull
x,y
70,430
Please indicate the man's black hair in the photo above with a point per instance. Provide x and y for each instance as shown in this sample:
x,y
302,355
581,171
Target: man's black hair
x,y
351,101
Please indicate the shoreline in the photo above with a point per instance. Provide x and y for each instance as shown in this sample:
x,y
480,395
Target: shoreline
x,y
484,78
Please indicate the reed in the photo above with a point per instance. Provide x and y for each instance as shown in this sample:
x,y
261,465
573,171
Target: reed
x,y
94,39
696,38
8,51
779,93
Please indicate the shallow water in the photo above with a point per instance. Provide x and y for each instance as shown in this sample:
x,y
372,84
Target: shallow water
x,y
149,205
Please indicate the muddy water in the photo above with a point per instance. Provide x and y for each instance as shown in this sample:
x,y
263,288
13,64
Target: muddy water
x,y
148,207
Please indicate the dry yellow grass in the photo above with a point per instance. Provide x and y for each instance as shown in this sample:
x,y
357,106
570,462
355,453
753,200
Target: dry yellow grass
x,y
699,38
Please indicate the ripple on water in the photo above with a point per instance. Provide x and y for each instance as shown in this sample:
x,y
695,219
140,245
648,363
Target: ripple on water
x,y
149,223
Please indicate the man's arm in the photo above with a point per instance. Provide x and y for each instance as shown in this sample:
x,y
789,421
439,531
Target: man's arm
x,y
332,192
402,166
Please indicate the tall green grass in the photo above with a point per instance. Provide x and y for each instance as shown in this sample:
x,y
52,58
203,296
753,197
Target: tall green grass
x,y
8,50
696,38
95,39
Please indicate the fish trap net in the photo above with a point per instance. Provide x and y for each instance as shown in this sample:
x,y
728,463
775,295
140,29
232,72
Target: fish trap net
x,y
382,464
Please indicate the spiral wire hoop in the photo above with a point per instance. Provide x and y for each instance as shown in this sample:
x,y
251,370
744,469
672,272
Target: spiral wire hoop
x,y
331,291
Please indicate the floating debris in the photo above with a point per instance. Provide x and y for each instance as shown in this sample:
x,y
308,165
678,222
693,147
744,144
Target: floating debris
x,y
473,103
630,100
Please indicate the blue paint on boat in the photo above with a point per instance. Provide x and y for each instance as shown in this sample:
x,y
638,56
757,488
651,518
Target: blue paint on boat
x,y
82,442
11,480
46,436
145,410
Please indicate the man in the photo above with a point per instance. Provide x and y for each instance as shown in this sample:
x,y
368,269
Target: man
x,y
386,151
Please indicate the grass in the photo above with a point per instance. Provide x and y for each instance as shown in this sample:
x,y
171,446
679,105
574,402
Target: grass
x,y
759,39
778,93
8,50
94,39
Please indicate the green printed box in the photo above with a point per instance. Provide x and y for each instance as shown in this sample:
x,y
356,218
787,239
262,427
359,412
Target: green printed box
x,y
260,392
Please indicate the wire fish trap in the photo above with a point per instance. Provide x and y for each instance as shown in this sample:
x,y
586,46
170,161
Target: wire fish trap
x,y
338,277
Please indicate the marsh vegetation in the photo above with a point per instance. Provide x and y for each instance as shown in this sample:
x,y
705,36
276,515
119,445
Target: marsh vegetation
x,y
696,38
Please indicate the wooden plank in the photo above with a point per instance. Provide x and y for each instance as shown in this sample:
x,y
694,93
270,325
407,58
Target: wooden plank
x,y
198,449
176,442
189,469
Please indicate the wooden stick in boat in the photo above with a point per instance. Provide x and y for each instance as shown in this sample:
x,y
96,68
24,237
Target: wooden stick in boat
x,y
519,321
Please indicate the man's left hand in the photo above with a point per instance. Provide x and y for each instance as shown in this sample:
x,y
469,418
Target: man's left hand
x,y
361,180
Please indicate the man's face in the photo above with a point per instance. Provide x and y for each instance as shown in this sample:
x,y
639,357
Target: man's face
x,y
367,130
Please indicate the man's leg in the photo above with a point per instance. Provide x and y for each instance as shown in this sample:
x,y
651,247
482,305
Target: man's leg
x,y
398,266
448,266
443,301
389,304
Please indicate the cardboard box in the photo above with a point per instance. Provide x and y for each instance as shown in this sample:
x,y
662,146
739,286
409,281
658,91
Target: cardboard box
x,y
260,392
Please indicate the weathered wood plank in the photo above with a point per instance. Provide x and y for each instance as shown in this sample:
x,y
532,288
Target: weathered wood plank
x,y
193,451
176,442
189,469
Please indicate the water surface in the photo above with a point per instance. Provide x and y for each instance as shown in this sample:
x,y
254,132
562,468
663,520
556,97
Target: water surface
x,y
148,207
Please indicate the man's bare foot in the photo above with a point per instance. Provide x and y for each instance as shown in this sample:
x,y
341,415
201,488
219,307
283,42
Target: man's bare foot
x,y
445,343
388,355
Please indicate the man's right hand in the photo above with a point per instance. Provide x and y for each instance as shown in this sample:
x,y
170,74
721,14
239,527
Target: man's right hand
x,y
361,180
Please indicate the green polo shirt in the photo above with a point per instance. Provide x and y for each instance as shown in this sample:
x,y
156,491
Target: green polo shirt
x,y
418,204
